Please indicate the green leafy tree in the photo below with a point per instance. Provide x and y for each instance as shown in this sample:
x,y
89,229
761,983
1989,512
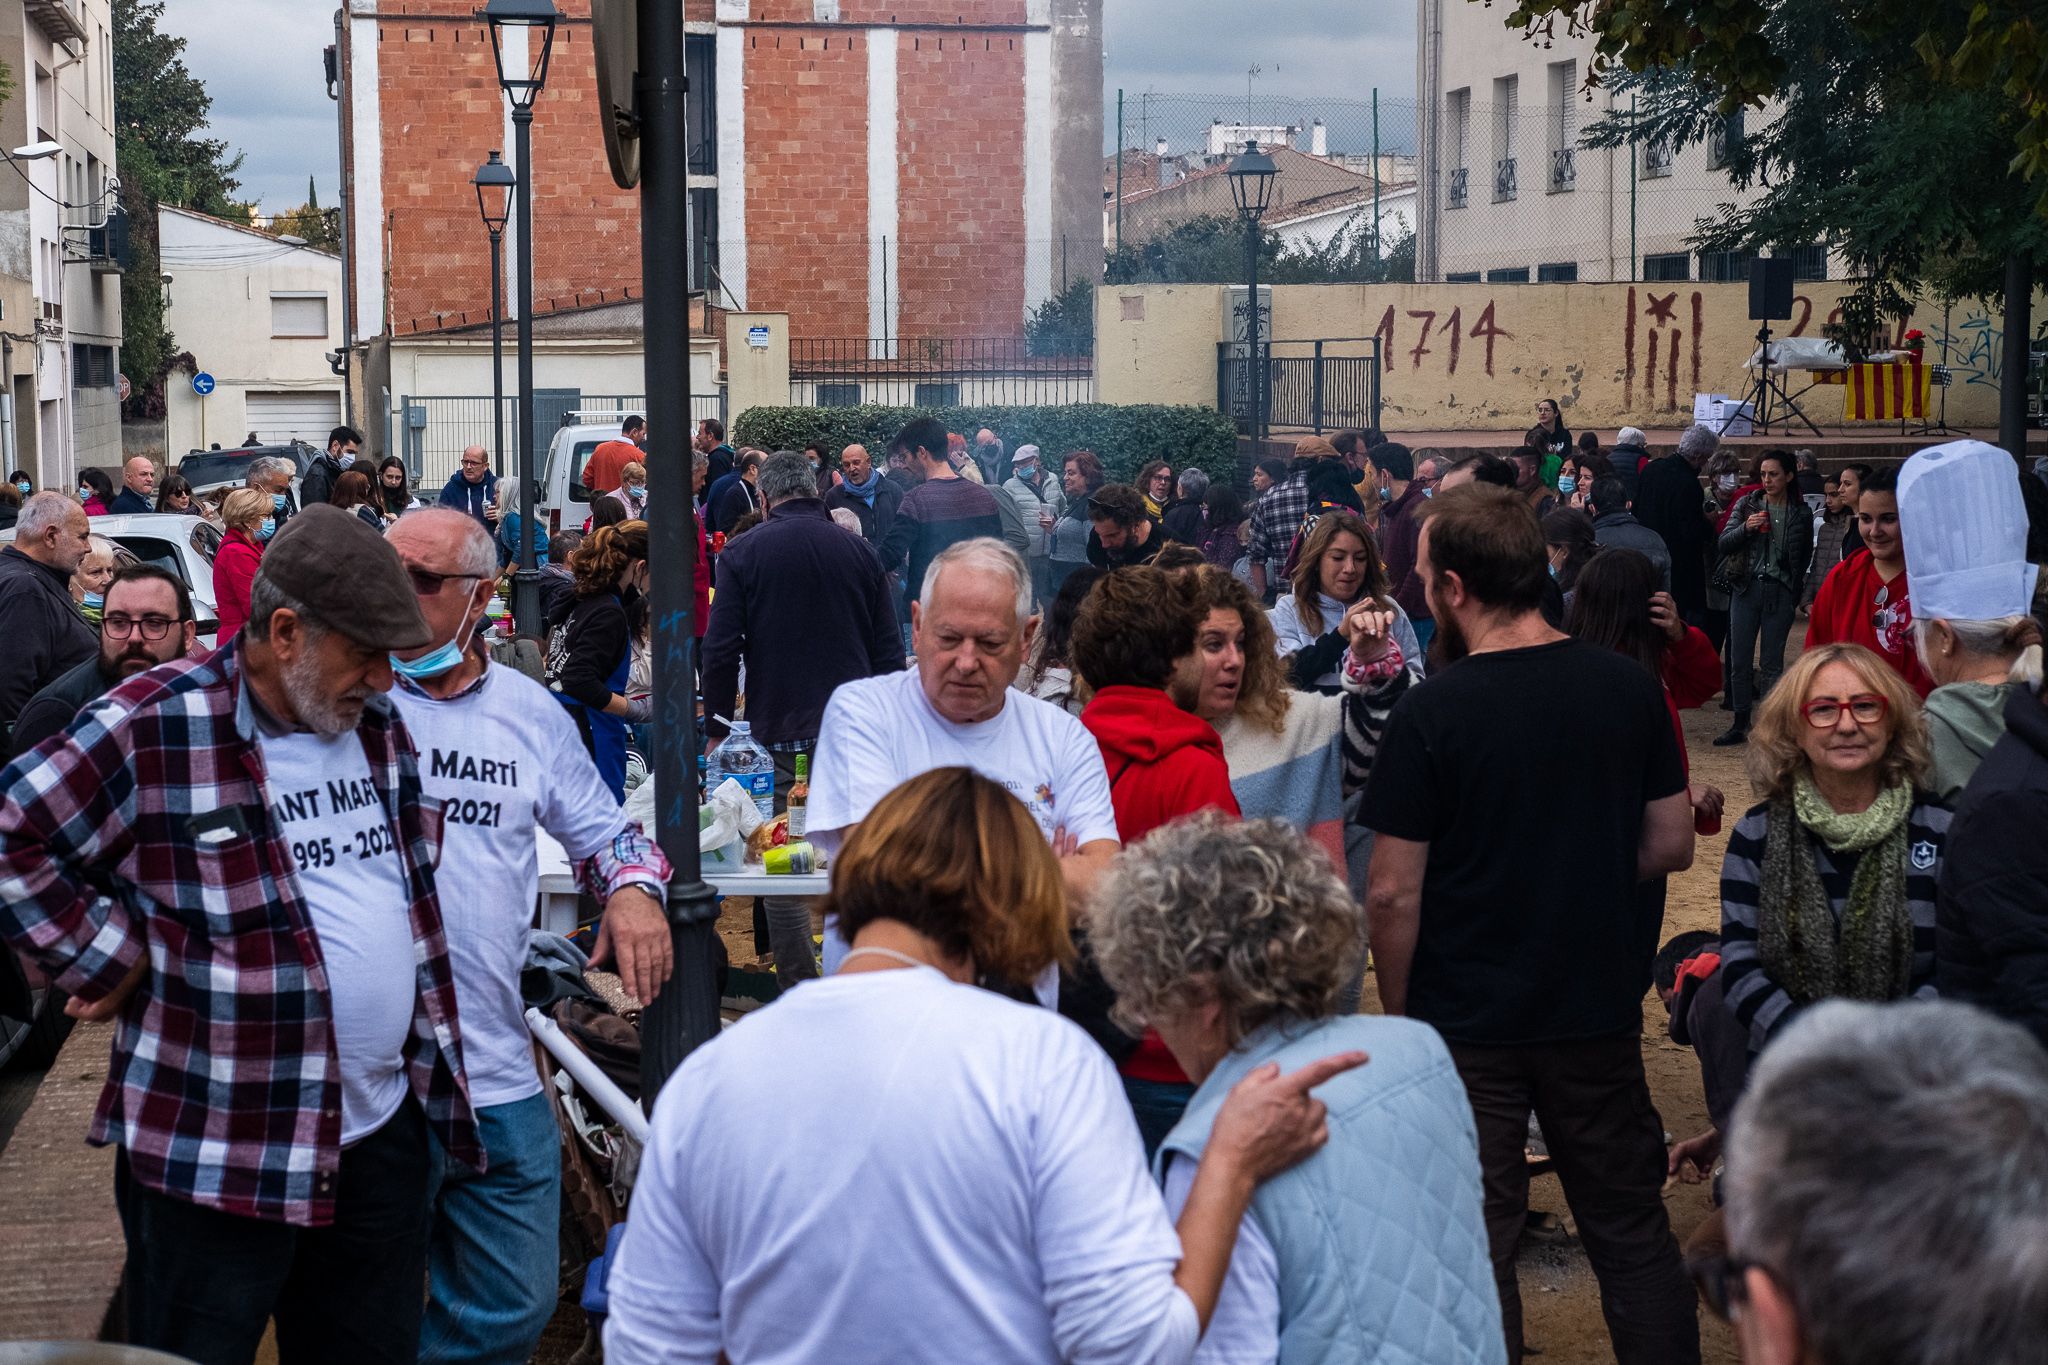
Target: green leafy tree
x,y
160,112
315,226
1211,250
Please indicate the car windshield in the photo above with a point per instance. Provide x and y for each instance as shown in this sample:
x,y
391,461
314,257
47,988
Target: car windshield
x,y
204,468
154,550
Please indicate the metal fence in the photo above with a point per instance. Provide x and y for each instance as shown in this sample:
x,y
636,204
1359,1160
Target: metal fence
x,y
1491,189
1325,384
431,432
933,372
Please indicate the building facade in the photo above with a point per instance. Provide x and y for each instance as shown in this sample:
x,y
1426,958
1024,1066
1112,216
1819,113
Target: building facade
x,y
61,243
875,170
1508,196
259,316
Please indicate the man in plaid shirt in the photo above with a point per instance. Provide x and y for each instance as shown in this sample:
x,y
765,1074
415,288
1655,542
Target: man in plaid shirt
x,y
1275,519
232,857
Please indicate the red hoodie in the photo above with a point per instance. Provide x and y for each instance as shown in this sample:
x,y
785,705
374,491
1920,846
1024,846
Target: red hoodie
x,y
1163,763
1847,608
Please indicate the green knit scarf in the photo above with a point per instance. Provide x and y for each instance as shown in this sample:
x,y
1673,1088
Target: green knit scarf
x,y
1868,955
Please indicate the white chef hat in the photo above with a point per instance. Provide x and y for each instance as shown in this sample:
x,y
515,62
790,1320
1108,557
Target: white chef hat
x,y
1964,525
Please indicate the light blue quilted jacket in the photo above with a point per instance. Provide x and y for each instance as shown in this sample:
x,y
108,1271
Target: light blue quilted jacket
x,y
1379,1237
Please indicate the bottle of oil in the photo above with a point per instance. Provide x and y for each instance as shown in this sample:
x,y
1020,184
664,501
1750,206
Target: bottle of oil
x,y
799,798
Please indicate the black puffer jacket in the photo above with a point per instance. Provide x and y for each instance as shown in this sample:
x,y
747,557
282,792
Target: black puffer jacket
x,y
45,634
1991,945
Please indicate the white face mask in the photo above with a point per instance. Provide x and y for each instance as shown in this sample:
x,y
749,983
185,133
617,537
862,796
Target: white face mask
x,y
345,459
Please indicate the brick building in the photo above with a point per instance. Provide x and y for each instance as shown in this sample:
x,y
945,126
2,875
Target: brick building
x,y
876,168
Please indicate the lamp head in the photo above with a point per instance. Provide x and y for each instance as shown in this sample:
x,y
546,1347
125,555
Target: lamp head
x,y
494,183
1251,175
37,151
539,16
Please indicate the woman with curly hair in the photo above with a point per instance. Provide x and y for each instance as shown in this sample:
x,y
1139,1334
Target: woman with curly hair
x,y
1828,889
1339,568
1237,944
590,644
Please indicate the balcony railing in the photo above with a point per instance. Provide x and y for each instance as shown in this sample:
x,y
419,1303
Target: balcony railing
x,y
1656,160
1461,182
1564,173
1503,180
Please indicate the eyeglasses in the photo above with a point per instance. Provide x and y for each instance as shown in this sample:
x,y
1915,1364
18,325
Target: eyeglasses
x,y
1722,1282
425,584
1865,708
473,464
149,627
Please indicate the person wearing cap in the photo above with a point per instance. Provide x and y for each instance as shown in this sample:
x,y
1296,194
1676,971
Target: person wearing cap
x,y
233,857
1317,477
505,762
1039,503
1964,524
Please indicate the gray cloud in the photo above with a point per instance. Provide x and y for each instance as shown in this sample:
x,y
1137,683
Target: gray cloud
x,y
260,60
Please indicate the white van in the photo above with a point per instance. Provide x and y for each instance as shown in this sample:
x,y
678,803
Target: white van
x,y
564,501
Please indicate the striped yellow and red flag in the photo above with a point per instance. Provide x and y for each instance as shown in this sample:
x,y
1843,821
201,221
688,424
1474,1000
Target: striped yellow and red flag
x,y
1877,393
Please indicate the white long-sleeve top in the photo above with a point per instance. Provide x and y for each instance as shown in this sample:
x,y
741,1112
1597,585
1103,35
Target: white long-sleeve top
x,y
974,1189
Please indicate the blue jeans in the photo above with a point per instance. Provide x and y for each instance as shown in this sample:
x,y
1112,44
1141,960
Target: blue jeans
x,y
492,1260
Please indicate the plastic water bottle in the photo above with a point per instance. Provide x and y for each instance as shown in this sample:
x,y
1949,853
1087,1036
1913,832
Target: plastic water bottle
x,y
747,763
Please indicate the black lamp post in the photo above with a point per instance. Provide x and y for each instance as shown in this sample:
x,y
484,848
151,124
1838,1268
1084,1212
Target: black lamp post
x,y
522,87
1251,175
494,185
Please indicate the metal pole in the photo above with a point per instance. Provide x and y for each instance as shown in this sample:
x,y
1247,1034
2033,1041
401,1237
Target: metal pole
x,y
1256,371
685,1014
1635,176
498,350
2017,367
1119,170
348,272
526,580
1375,178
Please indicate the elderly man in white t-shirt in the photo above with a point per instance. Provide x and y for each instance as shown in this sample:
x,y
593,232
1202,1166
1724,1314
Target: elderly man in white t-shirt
x,y
970,629
503,760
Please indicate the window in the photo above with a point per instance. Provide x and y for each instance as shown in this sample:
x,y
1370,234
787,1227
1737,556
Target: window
x,y
298,315
701,68
939,395
46,104
1656,160
1559,272
92,367
1725,267
1460,114
838,395
1563,120
1809,262
1518,275
704,239
1506,95
1672,266
1724,140
1462,277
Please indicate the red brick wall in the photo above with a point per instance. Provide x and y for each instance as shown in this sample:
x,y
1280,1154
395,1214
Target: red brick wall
x,y
807,176
960,196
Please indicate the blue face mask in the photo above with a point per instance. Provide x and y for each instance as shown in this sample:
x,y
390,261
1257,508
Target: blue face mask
x,y
267,529
25,486
1567,485
85,493
433,663
278,502
95,600
1386,493
1429,492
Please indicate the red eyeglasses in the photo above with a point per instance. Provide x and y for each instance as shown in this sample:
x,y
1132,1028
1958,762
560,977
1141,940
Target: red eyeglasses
x,y
1865,708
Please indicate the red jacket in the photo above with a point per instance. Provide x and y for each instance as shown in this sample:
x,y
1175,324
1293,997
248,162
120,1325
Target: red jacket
x,y
234,569
1846,608
1162,762
1691,675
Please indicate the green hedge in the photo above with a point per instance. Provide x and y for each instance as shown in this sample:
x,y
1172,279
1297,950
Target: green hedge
x,y
1123,436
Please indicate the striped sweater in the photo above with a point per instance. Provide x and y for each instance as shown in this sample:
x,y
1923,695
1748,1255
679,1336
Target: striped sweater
x,y
1758,1002
1322,754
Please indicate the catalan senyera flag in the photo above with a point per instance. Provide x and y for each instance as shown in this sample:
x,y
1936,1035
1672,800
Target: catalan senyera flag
x,y
1878,393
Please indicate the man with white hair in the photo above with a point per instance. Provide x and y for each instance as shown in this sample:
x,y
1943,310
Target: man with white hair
x,y
504,761
970,628
46,637
272,475
1670,502
1629,453
138,487
1885,1192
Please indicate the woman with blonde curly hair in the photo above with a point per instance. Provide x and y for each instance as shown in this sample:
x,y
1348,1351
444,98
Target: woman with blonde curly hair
x,y
1338,568
1236,942
1828,888
590,644
973,1155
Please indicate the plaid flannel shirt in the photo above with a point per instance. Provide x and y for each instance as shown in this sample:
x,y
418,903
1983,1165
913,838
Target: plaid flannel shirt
x,y
147,830
1278,516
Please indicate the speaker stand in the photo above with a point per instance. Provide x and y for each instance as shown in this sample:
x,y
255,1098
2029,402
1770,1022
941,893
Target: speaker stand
x,y
1768,397
1940,426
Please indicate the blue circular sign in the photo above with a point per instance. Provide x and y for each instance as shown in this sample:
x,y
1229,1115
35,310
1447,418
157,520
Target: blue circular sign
x,y
202,383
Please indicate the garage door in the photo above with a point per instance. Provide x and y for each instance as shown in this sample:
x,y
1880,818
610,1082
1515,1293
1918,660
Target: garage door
x,y
306,416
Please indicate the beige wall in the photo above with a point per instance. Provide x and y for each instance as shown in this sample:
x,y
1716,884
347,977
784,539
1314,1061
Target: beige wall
x,y
1475,357
755,377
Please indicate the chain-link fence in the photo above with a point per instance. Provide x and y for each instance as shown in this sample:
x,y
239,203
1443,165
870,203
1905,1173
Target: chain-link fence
x,y
1388,189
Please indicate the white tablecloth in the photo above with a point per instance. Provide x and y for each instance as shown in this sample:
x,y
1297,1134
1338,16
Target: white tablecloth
x,y
557,909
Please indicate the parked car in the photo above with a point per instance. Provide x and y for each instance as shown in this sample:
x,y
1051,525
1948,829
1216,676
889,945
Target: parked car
x,y
176,541
207,470
562,498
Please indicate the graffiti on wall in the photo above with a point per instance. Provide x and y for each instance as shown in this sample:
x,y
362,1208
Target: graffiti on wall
x,y
1448,338
1665,337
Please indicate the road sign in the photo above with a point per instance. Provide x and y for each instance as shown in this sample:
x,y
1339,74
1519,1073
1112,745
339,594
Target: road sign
x,y
125,388
202,383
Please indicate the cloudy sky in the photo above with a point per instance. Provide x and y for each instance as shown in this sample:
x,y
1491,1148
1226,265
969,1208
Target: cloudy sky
x,y
260,60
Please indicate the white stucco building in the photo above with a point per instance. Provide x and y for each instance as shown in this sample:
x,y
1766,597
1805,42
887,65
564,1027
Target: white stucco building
x,y
259,315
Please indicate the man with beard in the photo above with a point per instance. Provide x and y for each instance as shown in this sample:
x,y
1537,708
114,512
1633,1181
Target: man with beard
x,y
1503,907
233,854
147,621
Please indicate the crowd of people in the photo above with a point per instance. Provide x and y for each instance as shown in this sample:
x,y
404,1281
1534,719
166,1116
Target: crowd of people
x,y
1123,785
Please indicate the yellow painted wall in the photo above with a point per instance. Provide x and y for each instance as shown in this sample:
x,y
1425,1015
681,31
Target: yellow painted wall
x,y
1476,356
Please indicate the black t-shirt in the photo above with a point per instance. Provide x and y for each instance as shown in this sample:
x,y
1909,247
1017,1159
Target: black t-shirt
x,y
1531,929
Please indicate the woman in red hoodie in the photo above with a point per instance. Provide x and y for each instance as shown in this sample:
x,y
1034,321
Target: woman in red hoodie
x,y
246,513
1134,636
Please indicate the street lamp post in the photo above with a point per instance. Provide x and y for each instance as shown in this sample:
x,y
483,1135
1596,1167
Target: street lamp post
x,y
494,186
1251,175
538,18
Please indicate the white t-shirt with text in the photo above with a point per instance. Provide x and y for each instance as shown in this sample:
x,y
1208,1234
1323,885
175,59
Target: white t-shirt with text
x,y
354,885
